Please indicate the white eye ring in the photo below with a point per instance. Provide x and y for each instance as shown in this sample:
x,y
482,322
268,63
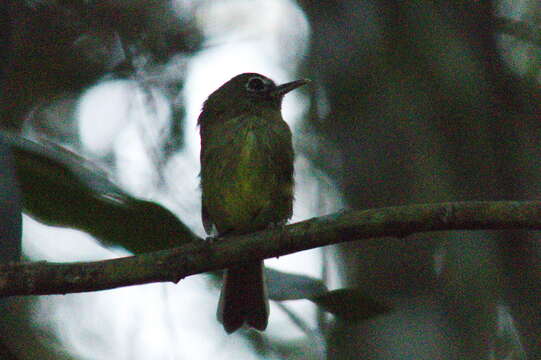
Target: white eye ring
x,y
256,84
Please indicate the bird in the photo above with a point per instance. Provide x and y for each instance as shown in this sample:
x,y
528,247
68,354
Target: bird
x,y
246,182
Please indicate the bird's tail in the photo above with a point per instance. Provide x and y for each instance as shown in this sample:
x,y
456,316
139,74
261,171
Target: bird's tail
x,y
244,298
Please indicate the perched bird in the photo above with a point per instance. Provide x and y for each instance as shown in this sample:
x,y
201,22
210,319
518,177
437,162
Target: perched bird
x,y
246,181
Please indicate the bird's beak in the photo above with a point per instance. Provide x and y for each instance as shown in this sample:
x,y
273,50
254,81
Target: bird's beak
x,y
283,89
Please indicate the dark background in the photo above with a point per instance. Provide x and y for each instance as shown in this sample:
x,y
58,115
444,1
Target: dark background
x,y
410,103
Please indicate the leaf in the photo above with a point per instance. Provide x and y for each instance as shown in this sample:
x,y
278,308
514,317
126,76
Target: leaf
x,y
347,304
284,286
350,304
61,188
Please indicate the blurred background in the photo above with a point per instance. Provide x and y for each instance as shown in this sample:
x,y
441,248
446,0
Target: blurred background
x,y
410,102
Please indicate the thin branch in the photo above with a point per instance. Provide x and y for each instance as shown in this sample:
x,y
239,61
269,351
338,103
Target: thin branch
x,y
199,256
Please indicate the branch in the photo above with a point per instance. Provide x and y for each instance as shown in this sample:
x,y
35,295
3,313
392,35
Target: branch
x,y
43,278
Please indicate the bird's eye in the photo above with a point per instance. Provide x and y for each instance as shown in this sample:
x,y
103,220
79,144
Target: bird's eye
x,y
256,84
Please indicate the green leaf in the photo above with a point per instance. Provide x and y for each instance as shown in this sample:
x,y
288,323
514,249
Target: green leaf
x,y
347,304
285,286
60,188
350,305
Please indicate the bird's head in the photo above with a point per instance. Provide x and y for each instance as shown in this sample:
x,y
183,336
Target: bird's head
x,y
248,93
